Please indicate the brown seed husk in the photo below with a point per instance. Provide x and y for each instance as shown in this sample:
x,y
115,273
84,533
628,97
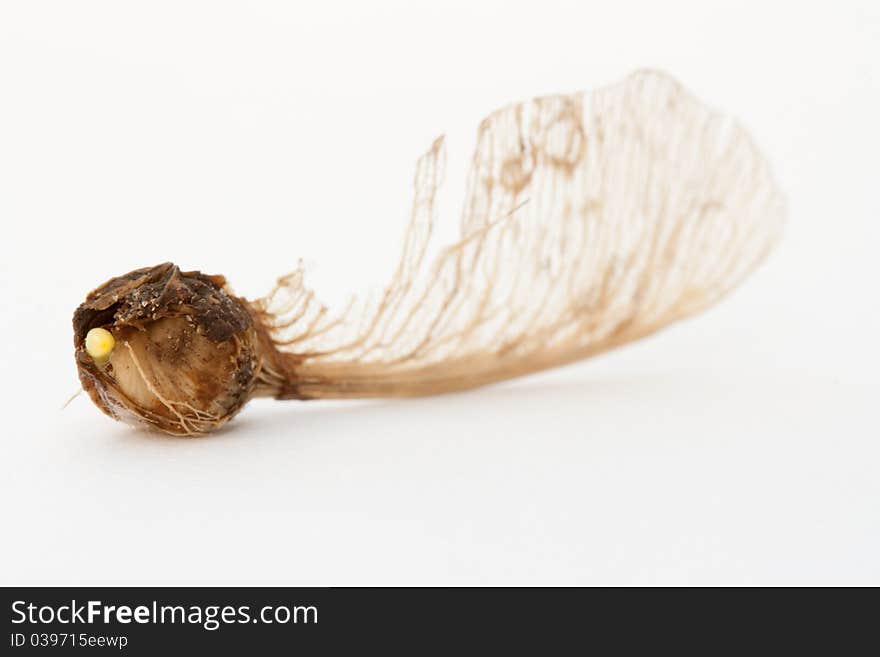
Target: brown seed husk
x,y
185,359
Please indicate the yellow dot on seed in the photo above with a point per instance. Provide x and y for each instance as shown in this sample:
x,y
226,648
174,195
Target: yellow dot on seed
x,y
99,343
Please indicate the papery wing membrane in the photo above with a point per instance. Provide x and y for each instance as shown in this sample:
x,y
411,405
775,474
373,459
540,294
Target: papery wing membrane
x,y
590,220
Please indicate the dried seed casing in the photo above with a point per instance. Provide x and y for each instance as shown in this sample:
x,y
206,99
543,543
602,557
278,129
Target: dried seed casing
x,y
184,358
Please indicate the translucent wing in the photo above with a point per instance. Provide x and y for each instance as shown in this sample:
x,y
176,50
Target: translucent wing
x,y
590,220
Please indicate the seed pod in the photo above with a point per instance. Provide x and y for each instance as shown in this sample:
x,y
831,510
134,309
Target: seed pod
x,y
183,355
590,220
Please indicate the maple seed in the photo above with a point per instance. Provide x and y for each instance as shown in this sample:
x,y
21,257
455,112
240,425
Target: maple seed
x,y
591,220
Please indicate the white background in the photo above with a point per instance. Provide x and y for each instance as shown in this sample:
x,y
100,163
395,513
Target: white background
x,y
740,447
